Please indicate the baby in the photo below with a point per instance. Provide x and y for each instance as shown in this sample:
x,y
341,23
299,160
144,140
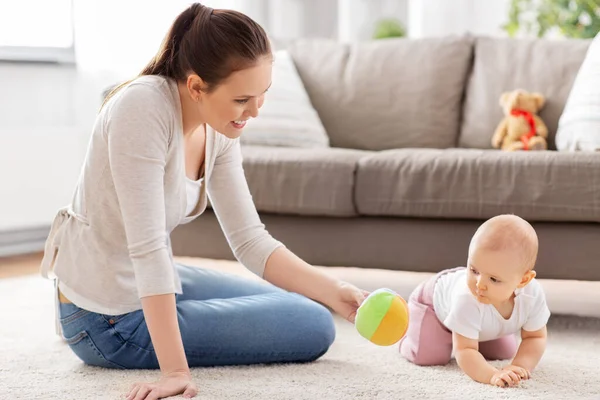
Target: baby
x,y
476,311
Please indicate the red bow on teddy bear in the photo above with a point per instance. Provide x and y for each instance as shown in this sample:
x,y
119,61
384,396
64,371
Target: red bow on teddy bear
x,y
529,117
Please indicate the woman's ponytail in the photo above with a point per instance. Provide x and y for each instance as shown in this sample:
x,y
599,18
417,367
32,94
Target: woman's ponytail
x,y
166,61
210,43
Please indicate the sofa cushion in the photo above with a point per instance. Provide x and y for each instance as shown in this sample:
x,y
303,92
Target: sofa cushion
x,y
302,181
503,64
470,183
386,94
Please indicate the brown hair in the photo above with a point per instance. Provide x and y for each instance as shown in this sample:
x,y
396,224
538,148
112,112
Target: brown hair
x,y
212,43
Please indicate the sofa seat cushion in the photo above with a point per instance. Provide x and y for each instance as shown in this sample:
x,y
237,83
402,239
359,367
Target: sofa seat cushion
x,y
302,181
478,184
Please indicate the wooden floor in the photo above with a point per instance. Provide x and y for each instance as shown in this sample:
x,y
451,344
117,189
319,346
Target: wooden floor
x,y
21,265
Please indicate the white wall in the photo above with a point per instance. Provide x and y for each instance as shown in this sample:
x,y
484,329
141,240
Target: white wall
x,y
47,112
46,115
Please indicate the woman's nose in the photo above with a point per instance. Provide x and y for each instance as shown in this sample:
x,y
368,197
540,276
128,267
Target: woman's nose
x,y
253,109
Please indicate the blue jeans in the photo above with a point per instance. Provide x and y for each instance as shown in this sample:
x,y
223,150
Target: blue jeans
x,y
224,320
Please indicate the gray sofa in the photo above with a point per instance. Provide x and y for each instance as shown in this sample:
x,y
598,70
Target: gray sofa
x,y
410,173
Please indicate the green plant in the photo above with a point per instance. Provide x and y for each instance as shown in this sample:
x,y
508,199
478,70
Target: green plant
x,y
388,28
569,18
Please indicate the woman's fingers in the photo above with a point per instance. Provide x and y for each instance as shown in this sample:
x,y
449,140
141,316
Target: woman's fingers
x,y
143,392
191,391
133,391
153,395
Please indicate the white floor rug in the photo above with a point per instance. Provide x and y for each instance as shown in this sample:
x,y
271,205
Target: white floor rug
x,y
35,364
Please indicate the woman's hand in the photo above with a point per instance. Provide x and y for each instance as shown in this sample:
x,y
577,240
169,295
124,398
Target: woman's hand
x,y
346,300
169,385
287,271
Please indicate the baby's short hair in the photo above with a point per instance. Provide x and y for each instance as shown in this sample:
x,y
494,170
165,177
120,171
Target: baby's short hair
x,y
508,232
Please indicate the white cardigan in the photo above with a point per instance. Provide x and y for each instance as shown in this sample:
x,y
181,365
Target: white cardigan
x,y
110,246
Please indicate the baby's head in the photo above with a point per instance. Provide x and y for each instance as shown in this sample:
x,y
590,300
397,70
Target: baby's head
x,y
502,255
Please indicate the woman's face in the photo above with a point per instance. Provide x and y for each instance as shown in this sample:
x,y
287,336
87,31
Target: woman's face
x,y
237,99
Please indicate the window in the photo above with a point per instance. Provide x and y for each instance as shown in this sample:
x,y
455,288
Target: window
x,y
36,30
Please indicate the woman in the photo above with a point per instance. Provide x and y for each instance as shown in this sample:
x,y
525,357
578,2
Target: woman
x,y
152,160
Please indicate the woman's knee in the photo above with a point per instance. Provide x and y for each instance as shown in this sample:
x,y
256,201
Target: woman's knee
x,y
324,325
318,328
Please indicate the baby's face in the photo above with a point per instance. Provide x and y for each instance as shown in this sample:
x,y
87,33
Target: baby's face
x,y
493,276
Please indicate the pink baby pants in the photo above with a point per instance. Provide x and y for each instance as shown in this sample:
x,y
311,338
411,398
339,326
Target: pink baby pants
x,y
429,342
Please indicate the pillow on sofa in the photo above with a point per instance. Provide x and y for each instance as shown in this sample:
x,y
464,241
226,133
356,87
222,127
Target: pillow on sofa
x,y
287,117
387,94
579,124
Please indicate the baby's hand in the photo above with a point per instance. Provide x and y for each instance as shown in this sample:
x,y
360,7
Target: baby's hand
x,y
521,372
505,378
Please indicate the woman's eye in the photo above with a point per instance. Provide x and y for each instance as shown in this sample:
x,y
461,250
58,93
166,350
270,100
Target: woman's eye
x,y
242,101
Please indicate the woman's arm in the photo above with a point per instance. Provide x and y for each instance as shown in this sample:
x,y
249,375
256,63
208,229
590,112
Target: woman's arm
x,y
287,271
160,314
138,134
234,207
254,247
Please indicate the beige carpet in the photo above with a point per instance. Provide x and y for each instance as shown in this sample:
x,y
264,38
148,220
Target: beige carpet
x,y
35,364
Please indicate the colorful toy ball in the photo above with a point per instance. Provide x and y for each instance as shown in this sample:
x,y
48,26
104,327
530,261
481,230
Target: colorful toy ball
x,y
382,318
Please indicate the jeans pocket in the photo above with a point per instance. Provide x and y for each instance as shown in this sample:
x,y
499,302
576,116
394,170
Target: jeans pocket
x,y
84,347
69,317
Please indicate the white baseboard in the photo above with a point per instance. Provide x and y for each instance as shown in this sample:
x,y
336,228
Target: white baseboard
x,y
23,241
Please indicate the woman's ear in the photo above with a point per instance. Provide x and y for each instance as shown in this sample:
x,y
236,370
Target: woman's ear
x,y
527,277
195,84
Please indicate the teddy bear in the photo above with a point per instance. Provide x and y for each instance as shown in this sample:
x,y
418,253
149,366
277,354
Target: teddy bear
x,y
521,128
